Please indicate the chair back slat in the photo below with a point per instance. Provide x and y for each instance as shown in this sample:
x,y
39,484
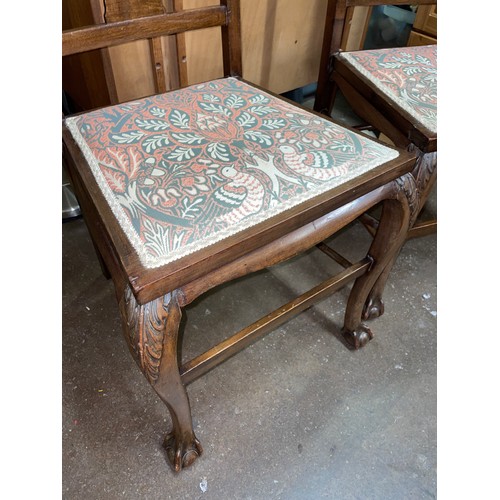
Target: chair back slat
x,y
106,35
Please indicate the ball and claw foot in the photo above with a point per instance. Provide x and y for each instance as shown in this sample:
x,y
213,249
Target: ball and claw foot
x,y
374,308
181,455
357,338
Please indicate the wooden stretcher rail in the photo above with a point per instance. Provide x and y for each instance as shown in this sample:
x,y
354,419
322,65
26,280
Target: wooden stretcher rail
x,y
339,259
198,366
106,35
419,229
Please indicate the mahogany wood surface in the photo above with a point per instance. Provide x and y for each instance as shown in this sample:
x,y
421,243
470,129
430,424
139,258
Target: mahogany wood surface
x,y
151,300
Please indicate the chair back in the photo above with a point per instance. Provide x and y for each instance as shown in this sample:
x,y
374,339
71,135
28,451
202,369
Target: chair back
x,y
226,15
336,22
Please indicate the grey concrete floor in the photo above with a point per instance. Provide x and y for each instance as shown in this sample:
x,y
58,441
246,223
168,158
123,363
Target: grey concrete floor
x,y
294,416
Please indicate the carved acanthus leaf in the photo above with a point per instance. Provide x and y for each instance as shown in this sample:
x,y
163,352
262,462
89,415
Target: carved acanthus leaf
x,y
145,331
407,184
424,168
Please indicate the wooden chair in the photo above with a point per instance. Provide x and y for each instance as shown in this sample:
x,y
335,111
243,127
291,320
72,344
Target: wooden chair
x,y
393,90
186,190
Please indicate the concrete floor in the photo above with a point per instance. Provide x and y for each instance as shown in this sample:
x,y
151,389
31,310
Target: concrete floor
x,y
295,416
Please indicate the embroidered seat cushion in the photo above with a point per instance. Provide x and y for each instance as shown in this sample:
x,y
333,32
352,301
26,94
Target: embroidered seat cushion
x,y
408,76
185,169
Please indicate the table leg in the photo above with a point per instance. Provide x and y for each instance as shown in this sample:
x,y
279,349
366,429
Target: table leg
x,y
152,331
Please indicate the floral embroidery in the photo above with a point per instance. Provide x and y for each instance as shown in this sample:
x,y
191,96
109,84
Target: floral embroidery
x,y
407,75
185,169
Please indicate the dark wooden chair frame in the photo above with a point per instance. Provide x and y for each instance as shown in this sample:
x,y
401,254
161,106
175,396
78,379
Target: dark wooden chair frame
x,y
371,104
151,300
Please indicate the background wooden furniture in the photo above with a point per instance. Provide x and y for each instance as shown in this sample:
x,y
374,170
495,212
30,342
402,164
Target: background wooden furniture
x,y
151,65
424,30
374,106
275,32
287,32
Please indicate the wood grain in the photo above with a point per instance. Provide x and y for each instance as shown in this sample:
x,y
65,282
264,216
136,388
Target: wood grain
x,y
106,35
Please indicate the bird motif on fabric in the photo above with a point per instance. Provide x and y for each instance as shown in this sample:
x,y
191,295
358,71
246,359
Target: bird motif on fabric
x,y
266,164
317,165
241,197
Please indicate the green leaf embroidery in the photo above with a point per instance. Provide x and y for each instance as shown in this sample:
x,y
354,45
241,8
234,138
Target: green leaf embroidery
x,y
156,111
215,108
154,142
179,118
390,65
190,208
273,124
234,101
256,136
246,120
189,138
261,110
211,98
154,125
182,154
424,60
219,151
259,99
127,137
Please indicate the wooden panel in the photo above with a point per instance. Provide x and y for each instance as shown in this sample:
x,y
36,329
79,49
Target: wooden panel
x,y
200,52
131,66
355,33
133,74
420,39
281,43
116,10
426,20
130,63
281,46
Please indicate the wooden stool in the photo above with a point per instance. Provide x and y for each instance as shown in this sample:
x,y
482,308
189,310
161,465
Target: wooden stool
x,y
186,190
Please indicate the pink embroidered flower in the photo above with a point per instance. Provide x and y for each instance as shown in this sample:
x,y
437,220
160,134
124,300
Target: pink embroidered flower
x,y
197,167
194,184
206,167
164,198
314,138
286,137
217,127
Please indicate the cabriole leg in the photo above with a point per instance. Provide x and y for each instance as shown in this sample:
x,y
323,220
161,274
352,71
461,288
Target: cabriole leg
x,y
151,331
365,299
